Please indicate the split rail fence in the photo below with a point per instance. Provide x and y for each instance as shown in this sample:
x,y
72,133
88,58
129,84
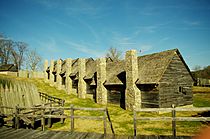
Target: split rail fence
x,y
47,101
43,115
51,99
173,117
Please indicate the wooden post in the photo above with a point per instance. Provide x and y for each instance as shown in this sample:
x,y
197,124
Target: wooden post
x,y
72,117
174,121
49,118
134,123
104,123
62,113
33,120
17,123
107,112
43,118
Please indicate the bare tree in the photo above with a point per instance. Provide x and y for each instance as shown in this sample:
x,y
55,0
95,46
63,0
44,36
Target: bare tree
x,y
197,67
114,54
18,53
6,47
33,60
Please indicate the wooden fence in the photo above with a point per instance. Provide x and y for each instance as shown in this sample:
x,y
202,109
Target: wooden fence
x,y
45,112
173,117
30,74
48,99
203,82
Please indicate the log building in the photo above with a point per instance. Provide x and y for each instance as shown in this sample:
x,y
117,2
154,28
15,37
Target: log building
x,y
154,80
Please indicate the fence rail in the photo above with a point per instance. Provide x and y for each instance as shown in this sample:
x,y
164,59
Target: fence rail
x,y
173,117
47,98
46,112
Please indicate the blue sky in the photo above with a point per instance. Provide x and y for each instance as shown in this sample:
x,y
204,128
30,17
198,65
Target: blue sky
x,y
87,28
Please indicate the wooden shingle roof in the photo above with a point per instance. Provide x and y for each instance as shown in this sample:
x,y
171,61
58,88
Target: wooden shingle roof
x,y
151,67
9,67
113,70
75,66
90,68
63,68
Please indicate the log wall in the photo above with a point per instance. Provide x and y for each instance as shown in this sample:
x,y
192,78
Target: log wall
x,y
175,85
13,93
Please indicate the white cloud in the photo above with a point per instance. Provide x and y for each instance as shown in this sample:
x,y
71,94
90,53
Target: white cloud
x,y
49,45
164,39
146,29
84,48
64,24
144,48
90,28
192,23
47,3
76,7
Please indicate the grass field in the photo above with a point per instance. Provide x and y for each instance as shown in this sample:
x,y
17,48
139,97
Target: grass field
x,y
198,89
123,119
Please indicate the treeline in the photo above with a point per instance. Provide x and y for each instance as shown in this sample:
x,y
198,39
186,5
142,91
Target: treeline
x,y
18,53
202,73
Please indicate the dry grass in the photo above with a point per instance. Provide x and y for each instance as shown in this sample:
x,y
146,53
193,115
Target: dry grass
x,y
198,89
122,119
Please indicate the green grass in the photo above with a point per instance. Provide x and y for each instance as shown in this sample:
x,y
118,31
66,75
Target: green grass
x,y
122,120
201,99
198,89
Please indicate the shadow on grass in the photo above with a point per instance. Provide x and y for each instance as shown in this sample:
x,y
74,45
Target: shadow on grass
x,y
203,114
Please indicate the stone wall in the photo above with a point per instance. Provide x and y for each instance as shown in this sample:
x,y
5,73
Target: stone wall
x,y
101,91
81,81
68,71
132,93
30,74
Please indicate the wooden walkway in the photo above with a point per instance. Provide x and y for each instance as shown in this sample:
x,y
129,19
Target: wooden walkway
x,y
11,133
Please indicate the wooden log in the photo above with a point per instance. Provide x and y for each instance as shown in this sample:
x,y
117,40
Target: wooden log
x,y
49,119
33,120
62,105
17,123
170,109
6,98
173,121
72,117
107,112
104,118
43,120
91,109
192,118
193,109
155,118
134,123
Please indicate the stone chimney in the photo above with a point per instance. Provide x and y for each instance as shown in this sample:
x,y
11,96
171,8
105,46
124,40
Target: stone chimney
x,y
132,93
45,70
59,79
68,72
51,72
81,82
101,91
